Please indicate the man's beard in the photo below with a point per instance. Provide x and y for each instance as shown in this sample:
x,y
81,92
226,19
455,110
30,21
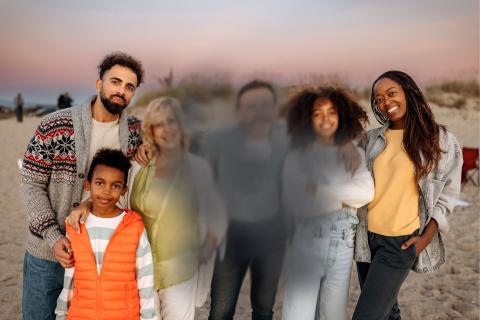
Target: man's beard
x,y
112,107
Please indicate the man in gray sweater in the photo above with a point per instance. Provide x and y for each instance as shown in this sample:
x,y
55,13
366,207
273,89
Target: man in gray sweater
x,y
54,168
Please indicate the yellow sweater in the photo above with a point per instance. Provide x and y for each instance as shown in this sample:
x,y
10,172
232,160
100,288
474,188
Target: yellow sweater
x,y
394,209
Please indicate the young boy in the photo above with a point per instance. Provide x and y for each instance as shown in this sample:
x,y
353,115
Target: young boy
x,y
112,277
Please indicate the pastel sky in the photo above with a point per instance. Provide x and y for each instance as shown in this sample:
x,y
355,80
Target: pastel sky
x,y
51,46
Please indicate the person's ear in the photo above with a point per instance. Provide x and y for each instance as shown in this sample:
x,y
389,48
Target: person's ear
x,y
125,189
98,85
86,185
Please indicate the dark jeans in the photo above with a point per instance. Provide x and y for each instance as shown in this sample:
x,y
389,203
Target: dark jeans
x,y
381,279
259,246
42,284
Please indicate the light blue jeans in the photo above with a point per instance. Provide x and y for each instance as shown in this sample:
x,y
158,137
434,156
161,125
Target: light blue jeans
x,y
319,263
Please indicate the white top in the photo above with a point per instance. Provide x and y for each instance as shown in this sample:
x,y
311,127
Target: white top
x,y
315,182
103,135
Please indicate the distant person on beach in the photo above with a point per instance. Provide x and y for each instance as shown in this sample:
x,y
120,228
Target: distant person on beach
x,y
64,101
68,100
55,164
19,107
121,270
416,164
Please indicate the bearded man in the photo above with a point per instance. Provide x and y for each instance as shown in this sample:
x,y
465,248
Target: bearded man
x,y
54,168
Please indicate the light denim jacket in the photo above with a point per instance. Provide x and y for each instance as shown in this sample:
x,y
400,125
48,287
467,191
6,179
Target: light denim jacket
x,y
438,192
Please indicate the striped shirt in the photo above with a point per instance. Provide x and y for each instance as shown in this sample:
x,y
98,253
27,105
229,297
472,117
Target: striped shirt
x,y
100,230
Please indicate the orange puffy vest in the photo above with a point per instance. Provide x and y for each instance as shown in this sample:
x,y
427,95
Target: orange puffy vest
x,y
112,294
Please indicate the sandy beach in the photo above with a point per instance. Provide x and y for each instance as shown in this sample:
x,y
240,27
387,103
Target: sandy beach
x,y
450,293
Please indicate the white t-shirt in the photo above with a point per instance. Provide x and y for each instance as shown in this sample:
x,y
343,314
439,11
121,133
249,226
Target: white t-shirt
x,y
103,135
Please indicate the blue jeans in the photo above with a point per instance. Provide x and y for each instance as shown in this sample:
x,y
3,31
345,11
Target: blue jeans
x,y
319,264
260,247
42,284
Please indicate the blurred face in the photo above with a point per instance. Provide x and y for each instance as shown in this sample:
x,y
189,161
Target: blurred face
x,y
325,121
106,187
167,133
257,110
117,88
389,98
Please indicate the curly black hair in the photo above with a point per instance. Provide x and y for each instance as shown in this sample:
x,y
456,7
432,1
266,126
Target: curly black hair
x,y
124,60
110,158
352,118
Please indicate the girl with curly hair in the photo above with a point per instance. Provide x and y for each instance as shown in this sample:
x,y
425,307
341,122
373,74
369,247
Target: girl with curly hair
x,y
320,197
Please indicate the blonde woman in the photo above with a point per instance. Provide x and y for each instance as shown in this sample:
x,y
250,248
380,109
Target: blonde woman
x,y
183,214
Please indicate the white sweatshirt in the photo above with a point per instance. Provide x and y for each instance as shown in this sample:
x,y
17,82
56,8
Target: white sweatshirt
x,y
315,182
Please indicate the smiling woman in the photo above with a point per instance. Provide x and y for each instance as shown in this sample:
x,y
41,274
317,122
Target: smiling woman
x,y
163,126
397,99
389,99
416,164
315,107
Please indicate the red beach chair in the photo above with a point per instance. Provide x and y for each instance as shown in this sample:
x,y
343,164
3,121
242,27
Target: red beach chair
x,y
470,162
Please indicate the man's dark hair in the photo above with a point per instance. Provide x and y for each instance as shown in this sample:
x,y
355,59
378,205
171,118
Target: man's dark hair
x,y
110,158
252,85
124,60
351,115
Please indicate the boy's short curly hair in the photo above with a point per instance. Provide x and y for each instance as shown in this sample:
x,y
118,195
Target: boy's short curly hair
x,y
110,158
124,60
351,115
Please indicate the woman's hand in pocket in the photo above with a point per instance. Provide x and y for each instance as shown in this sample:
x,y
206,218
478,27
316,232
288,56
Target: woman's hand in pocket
x,y
422,241
415,241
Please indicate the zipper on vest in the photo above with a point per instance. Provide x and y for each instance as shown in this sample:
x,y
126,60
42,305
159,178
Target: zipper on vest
x,y
117,230
99,274
98,298
97,315
127,294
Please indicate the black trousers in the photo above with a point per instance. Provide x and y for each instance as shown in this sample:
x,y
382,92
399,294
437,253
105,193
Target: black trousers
x,y
381,279
255,246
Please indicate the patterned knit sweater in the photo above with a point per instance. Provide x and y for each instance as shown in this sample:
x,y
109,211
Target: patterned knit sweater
x,y
54,168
